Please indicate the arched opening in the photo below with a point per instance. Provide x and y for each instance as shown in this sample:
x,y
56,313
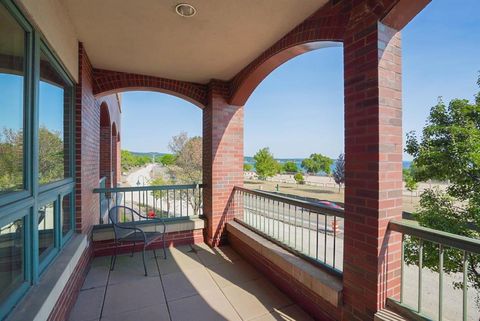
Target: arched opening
x,y
296,110
161,147
105,152
246,82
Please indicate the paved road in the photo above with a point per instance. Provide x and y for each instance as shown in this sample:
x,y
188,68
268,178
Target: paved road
x,y
140,175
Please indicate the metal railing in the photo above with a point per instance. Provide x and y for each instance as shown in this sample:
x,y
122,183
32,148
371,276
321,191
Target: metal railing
x,y
165,201
311,230
457,253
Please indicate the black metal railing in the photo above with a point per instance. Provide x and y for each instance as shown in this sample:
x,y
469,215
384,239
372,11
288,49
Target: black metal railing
x,y
309,229
458,255
165,201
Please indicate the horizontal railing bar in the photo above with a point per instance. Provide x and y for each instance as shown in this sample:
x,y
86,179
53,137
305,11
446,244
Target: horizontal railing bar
x,y
451,240
146,188
313,207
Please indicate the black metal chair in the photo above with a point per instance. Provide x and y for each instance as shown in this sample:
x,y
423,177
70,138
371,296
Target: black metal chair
x,y
127,228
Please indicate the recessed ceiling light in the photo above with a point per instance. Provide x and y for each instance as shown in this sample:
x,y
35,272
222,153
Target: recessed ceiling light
x,y
185,10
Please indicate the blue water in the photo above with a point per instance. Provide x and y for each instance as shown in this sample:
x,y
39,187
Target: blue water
x,y
298,161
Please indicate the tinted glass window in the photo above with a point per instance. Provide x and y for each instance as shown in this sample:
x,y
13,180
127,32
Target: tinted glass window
x,y
46,226
66,215
54,124
12,239
12,75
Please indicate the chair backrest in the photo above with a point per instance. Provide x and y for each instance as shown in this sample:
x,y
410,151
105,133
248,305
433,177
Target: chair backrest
x,y
121,215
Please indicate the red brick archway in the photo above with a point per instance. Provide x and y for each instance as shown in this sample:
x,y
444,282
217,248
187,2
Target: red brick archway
x,y
107,82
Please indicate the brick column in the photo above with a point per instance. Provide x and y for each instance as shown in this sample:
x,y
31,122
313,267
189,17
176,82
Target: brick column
x,y
114,160
106,154
222,159
373,146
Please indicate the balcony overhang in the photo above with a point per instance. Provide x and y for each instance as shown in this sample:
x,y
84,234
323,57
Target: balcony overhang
x,y
149,38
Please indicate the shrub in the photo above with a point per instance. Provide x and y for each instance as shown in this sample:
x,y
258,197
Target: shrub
x,y
299,178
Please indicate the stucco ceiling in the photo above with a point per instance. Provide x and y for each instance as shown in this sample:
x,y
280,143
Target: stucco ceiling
x,y
148,37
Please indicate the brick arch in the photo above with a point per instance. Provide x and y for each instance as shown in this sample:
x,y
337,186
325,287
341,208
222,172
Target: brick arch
x,y
107,82
325,28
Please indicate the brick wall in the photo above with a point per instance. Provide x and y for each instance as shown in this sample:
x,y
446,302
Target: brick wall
x,y
103,248
106,160
222,159
87,143
373,149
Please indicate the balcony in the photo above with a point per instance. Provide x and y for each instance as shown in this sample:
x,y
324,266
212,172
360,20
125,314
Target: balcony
x,y
195,282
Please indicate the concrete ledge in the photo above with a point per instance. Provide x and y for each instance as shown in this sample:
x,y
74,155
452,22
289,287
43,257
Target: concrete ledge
x,y
388,315
105,232
323,284
41,298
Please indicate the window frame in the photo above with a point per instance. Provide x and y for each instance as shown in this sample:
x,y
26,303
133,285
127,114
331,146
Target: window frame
x,y
13,214
25,203
54,61
27,188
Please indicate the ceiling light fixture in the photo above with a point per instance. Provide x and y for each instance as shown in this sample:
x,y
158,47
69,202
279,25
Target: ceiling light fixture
x,y
185,10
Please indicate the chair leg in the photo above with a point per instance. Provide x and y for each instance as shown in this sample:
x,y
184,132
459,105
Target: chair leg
x,y
113,259
164,250
133,249
143,258
155,253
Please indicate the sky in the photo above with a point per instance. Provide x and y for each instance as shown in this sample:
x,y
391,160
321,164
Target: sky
x,y
298,109
11,100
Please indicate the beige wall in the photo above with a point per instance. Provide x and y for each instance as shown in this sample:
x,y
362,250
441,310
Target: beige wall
x,y
51,18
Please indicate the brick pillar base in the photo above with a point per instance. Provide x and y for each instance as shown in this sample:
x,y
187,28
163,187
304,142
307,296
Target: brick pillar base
x,y
373,146
222,159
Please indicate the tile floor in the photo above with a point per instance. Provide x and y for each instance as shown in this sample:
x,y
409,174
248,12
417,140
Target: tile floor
x,y
194,283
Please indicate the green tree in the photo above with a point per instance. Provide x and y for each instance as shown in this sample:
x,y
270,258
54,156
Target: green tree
x,y
130,160
339,171
317,163
167,159
265,164
410,182
50,154
299,178
290,167
11,160
247,167
449,150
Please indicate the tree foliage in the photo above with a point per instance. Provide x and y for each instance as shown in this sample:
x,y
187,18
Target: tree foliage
x,y
167,159
317,163
265,164
188,159
247,167
11,160
50,154
449,150
130,160
290,167
339,171
299,178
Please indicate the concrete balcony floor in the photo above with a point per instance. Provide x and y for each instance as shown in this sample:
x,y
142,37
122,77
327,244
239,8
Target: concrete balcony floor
x,y
194,283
